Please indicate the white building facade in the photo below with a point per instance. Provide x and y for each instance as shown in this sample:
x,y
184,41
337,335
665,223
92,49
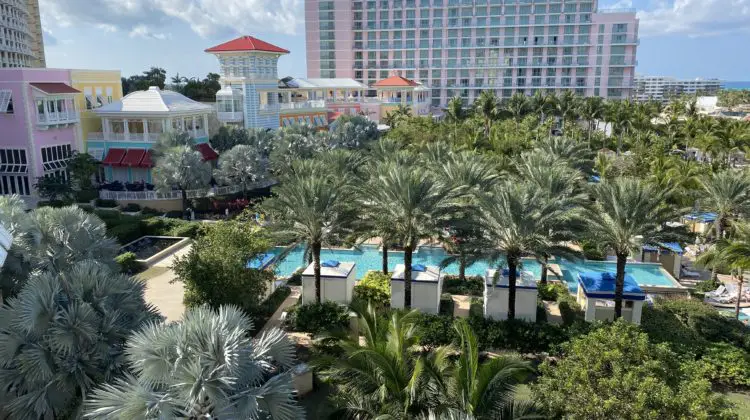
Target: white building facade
x,y
21,42
662,88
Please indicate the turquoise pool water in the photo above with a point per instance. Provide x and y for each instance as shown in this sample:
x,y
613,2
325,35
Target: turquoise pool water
x,y
369,257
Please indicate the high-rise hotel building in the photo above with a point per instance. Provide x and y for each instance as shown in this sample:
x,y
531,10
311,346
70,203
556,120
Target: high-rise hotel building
x,y
21,43
462,47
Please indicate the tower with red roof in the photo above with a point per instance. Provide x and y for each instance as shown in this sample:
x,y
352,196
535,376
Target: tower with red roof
x,y
249,78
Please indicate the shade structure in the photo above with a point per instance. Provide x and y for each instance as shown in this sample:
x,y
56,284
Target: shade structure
x,y
207,152
133,158
114,157
602,286
147,161
55,88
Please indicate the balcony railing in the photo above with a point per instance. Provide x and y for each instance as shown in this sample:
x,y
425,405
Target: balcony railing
x,y
176,195
52,118
230,116
293,105
145,137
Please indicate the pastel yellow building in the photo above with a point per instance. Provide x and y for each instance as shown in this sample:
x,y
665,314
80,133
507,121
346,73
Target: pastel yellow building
x,y
98,88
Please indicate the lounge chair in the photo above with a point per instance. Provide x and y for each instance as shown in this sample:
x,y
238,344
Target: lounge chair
x,y
718,292
684,272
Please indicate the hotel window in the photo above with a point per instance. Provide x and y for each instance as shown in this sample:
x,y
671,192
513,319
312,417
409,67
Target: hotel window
x,y
88,94
55,159
6,101
13,170
100,98
109,95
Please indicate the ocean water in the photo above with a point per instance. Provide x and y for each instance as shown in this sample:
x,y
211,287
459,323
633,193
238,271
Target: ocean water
x,y
736,85
369,257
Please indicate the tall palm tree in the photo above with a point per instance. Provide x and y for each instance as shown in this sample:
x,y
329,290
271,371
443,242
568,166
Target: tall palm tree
x,y
568,151
416,202
63,335
591,109
566,107
204,366
628,214
312,205
516,217
181,168
516,106
486,107
455,114
542,104
727,194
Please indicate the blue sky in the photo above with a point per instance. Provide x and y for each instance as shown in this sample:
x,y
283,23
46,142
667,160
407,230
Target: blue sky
x,y
682,38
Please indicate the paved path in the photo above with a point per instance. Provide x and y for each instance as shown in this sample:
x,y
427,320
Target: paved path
x,y
166,296
461,306
291,300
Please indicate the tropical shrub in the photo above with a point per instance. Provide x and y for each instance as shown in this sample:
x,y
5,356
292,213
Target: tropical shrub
x,y
375,289
131,208
315,318
269,306
570,310
63,335
86,196
614,372
129,263
473,286
708,285
725,365
126,232
100,202
446,304
551,291
518,335
204,366
151,211
214,271
186,230
435,330
296,278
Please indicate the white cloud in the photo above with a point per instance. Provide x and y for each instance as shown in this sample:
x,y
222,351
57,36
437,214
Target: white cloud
x,y
143,31
696,18
205,17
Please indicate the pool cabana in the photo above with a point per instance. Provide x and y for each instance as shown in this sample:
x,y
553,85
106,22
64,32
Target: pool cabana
x,y
668,254
699,222
426,286
596,293
496,295
336,282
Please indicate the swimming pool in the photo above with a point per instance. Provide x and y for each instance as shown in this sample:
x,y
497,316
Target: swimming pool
x,y
370,257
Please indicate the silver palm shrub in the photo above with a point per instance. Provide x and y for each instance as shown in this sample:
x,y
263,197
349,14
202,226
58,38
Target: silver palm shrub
x,y
242,165
64,334
203,367
50,239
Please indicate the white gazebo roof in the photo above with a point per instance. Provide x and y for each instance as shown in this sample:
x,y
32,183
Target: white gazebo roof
x,y
422,273
341,269
228,91
154,100
524,279
341,83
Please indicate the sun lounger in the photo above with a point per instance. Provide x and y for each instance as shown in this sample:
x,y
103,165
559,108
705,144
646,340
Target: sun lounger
x,y
718,292
688,273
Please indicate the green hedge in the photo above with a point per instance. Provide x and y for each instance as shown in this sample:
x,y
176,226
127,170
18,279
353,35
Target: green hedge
x,y
473,286
129,263
374,288
446,304
551,291
724,365
315,318
131,208
105,203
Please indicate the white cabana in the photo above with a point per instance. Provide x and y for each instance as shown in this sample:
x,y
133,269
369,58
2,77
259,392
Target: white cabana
x,y
596,293
496,295
336,282
426,285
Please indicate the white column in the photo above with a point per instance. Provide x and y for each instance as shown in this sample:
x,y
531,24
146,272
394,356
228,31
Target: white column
x,y
145,129
105,128
636,313
590,309
205,123
126,129
195,134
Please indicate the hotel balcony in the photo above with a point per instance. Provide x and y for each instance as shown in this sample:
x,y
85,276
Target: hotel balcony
x,y
136,137
230,116
44,120
317,104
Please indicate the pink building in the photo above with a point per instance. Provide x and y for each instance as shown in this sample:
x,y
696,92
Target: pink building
x,y
462,47
38,127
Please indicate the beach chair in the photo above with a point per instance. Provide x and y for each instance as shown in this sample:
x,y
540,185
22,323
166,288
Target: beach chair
x,y
684,272
718,292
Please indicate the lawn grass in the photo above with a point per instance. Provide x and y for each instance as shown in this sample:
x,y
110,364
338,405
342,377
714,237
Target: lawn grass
x,y
742,401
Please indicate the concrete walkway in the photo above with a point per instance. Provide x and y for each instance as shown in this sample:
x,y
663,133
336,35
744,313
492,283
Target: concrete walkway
x,y
461,306
160,292
276,319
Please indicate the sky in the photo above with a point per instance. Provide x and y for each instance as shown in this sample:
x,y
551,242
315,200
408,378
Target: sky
x,y
680,38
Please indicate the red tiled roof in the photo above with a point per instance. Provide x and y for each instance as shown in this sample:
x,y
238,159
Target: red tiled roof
x,y
146,162
133,157
247,43
55,88
114,157
207,152
395,81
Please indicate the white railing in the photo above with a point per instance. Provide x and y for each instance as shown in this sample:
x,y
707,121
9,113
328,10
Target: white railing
x,y
58,118
293,105
148,137
177,195
230,116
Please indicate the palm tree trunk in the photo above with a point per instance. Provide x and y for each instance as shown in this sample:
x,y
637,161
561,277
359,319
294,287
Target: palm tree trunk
x,y
184,201
512,264
719,235
385,258
543,278
619,283
407,275
462,267
316,268
740,280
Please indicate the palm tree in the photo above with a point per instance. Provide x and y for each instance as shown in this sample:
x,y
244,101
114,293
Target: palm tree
x,y
401,113
517,217
415,201
627,215
455,114
50,239
65,334
591,109
204,366
568,151
385,376
181,168
566,107
241,165
732,254
486,108
312,204
727,194
516,106
542,104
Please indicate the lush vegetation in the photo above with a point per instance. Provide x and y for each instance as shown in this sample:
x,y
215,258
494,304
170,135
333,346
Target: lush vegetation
x,y
215,271
373,289
316,318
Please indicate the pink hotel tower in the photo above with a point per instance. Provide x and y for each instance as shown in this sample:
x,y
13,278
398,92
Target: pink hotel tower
x,y
462,47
